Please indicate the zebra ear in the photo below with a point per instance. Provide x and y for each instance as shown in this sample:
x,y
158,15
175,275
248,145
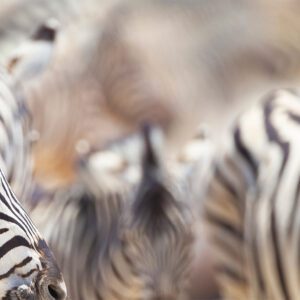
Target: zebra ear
x,y
32,57
46,32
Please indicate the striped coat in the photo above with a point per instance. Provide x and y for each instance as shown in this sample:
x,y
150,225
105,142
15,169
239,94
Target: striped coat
x,y
252,208
15,158
28,269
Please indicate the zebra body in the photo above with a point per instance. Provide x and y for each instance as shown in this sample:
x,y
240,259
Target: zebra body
x,y
253,203
28,269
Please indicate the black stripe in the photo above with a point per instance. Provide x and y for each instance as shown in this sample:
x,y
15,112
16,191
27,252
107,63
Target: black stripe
x,y
10,294
226,183
294,117
9,219
3,230
4,200
252,242
292,219
229,249
24,262
26,222
29,273
273,136
244,151
274,235
221,223
16,241
232,274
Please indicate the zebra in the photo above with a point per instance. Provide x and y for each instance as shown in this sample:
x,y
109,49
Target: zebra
x,y
15,138
20,19
23,65
252,205
140,246
27,266
32,57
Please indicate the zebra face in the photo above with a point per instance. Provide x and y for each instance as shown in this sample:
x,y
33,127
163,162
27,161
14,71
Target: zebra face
x,y
49,281
41,282
157,236
35,277
28,269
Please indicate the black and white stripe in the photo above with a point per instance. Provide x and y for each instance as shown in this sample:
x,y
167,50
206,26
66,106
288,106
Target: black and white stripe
x,y
253,202
15,158
27,267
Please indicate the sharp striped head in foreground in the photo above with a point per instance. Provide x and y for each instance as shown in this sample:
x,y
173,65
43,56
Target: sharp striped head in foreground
x,y
27,267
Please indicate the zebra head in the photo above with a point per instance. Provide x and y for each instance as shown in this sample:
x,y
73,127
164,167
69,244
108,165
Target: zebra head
x,y
32,58
28,270
157,237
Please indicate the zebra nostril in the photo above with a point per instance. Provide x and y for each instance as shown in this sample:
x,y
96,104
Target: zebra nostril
x,y
56,292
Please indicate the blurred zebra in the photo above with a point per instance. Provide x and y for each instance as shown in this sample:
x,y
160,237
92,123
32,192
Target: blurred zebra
x,y
125,65
15,158
25,64
140,245
120,161
252,208
21,18
27,268
31,58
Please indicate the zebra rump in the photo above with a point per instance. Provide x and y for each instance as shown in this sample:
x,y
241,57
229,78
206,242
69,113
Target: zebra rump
x,y
252,209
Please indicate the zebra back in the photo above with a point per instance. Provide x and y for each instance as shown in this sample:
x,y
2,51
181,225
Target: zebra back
x,y
252,205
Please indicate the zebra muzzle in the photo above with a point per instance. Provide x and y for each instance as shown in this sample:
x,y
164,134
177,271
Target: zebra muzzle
x,y
51,289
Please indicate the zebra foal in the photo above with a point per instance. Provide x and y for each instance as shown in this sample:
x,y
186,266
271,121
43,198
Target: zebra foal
x,y
252,210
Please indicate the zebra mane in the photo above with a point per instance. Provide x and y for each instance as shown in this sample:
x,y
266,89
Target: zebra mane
x,y
154,206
